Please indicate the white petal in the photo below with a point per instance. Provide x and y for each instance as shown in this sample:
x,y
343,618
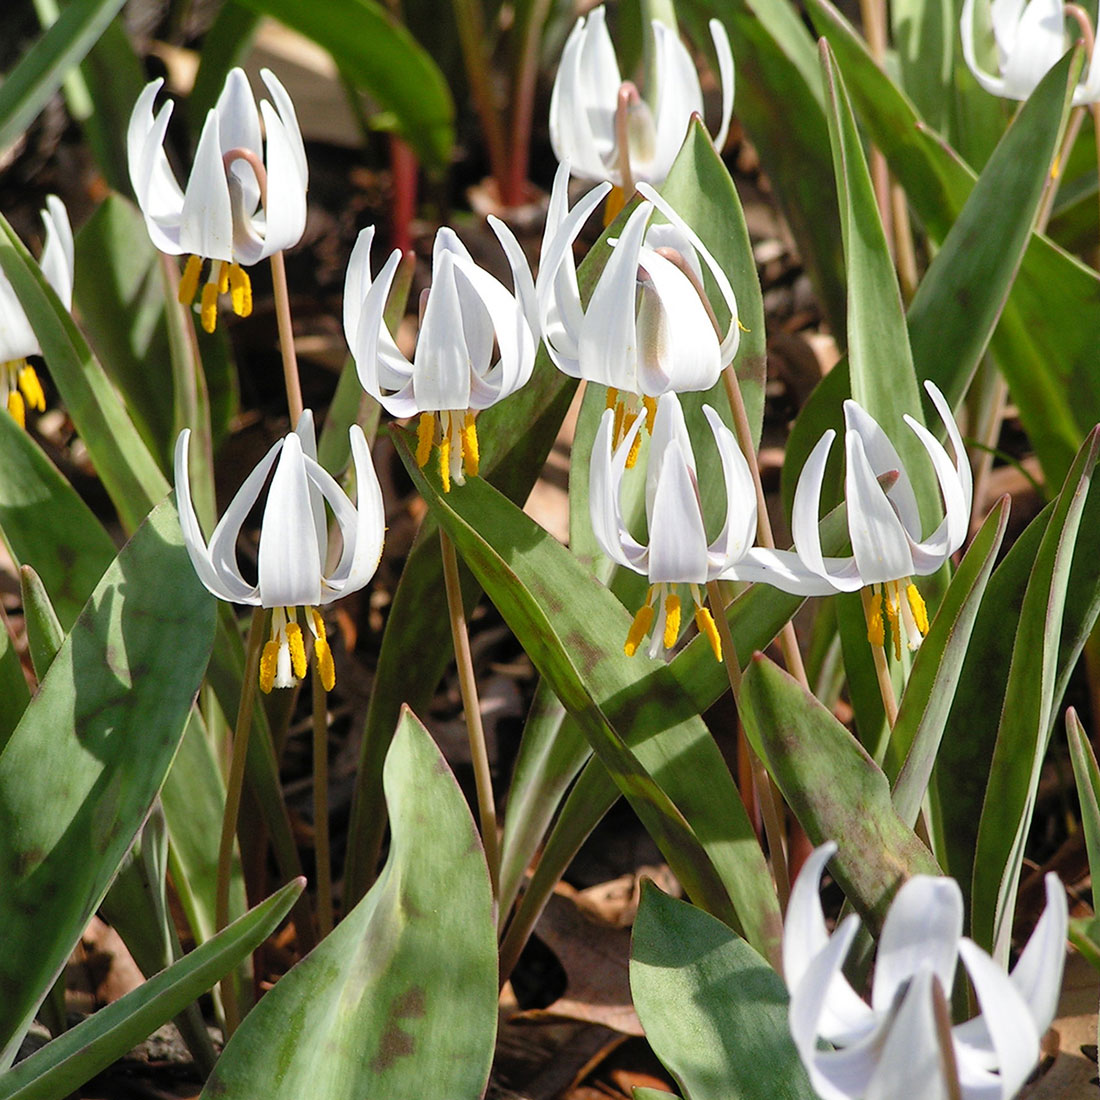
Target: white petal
x,y
921,932
725,72
307,436
57,252
523,285
995,85
676,98
605,478
739,530
285,213
285,106
677,538
441,369
289,560
370,529
1039,43
239,128
783,569
206,227
930,553
884,458
1038,973
357,281
157,191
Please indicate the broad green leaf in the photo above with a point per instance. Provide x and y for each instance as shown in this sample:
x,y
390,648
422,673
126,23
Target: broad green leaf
x,y
1086,774
384,60
401,999
572,628
14,693
1027,715
713,1010
835,789
225,45
930,691
79,773
44,631
28,87
62,1066
128,471
924,37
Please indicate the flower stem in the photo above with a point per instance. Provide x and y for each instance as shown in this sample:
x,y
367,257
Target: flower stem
x,y
286,337
770,803
322,856
882,672
234,786
468,685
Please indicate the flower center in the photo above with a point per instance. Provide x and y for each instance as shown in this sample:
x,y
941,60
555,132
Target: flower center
x,y
626,412
456,440
903,610
224,278
18,377
663,605
283,661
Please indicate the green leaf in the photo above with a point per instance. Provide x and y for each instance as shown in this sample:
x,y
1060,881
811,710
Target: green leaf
x,y
835,789
78,775
713,1010
44,631
401,999
924,37
128,471
63,1065
1027,715
225,45
1086,774
14,693
383,59
27,89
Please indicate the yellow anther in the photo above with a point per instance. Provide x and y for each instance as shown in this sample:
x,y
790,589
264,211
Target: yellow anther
x,y
639,629
297,649
876,631
210,306
672,620
319,630
916,605
742,327
705,622
650,413
471,455
240,290
32,388
17,408
617,428
325,667
632,454
189,283
269,661
425,437
616,200
223,277
445,463
612,397
893,616
1056,167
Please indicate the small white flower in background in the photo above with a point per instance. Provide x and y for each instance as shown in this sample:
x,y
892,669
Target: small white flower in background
x,y
293,545
1029,38
892,1047
240,205
18,379
884,524
452,376
647,330
593,112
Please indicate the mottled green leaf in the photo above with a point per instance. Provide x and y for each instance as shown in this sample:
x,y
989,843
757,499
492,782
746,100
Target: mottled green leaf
x,y
44,630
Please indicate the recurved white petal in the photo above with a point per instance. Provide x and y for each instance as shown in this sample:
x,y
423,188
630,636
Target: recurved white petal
x,y
739,530
675,99
605,510
239,128
57,251
206,225
1038,972
441,370
677,538
725,74
363,542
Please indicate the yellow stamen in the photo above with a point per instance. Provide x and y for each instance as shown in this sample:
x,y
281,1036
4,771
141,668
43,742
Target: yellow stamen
x,y
616,200
471,456
672,620
639,629
269,661
240,290
223,277
876,631
297,649
632,454
32,388
445,463
705,622
17,408
742,327
324,663
425,436
650,413
916,605
617,428
189,283
892,615
210,306
612,397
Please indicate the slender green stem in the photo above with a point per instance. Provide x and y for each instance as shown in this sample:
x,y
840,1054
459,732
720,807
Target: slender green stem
x,y
234,786
320,806
286,337
468,685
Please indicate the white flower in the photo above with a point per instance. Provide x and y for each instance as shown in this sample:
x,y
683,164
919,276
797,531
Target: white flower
x,y
1029,37
592,109
891,1048
240,205
18,379
452,374
647,329
293,544
678,551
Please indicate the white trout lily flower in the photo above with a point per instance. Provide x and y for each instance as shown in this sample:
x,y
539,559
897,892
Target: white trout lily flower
x,y
884,524
605,129
678,550
452,375
18,380
647,329
893,1047
1028,39
240,205
293,545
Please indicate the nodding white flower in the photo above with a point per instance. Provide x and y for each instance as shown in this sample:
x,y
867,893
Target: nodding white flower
x,y
605,129
678,550
892,1047
293,545
452,375
1029,37
240,205
884,524
18,379
648,328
